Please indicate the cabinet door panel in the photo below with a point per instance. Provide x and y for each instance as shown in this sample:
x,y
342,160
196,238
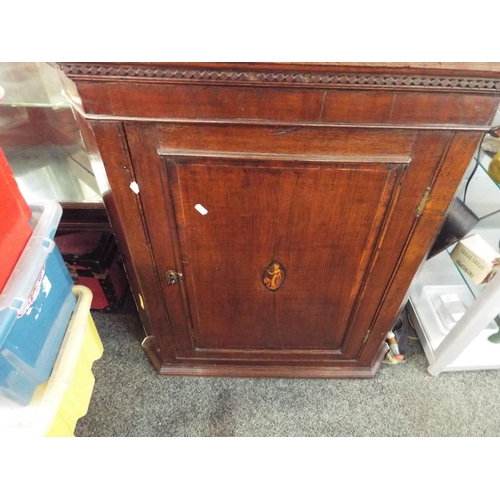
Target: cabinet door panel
x,y
317,225
330,227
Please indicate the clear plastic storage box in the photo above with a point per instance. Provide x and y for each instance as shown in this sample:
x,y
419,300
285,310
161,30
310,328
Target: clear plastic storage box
x,y
35,307
58,403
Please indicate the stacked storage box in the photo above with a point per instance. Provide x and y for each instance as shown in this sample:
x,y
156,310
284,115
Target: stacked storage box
x,y
57,404
35,308
45,359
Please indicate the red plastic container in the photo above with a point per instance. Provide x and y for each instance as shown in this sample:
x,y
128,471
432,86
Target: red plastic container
x,y
15,215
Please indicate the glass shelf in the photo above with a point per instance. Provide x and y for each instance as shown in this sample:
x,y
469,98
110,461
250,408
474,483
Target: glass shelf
x,y
31,85
439,276
48,171
483,198
41,139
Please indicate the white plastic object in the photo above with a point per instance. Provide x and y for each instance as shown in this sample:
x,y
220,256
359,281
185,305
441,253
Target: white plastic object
x,y
448,304
479,314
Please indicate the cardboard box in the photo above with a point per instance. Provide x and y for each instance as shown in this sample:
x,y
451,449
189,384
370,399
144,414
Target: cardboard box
x,y
476,258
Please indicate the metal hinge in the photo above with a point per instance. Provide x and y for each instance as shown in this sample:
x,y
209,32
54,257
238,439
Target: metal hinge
x,y
365,338
173,277
423,202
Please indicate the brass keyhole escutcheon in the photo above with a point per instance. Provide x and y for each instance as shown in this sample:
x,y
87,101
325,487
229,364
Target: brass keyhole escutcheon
x,y
274,276
173,277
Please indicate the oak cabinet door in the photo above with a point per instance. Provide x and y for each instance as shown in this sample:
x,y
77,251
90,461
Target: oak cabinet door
x,y
269,256
274,252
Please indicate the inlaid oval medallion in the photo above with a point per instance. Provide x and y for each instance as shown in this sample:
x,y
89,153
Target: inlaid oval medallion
x,y
274,276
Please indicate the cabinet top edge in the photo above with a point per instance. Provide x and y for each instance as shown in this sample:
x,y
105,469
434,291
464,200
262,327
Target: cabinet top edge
x,y
463,68
472,76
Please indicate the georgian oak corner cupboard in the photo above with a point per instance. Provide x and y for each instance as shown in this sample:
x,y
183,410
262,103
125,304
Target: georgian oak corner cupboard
x,y
271,216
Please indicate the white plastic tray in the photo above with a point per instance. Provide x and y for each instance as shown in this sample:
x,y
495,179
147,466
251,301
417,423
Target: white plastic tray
x,y
444,321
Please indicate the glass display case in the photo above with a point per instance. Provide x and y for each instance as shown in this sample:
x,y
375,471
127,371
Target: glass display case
x,y
440,277
41,139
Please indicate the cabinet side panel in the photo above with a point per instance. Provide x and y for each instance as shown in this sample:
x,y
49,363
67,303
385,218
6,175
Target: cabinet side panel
x,y
445,181
428,149
125,214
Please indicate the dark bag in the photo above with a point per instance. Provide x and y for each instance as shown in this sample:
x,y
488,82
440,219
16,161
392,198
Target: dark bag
x,y
459,220
402,330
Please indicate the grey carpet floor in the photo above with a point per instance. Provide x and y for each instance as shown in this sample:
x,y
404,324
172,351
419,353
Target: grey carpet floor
x,y
130,399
